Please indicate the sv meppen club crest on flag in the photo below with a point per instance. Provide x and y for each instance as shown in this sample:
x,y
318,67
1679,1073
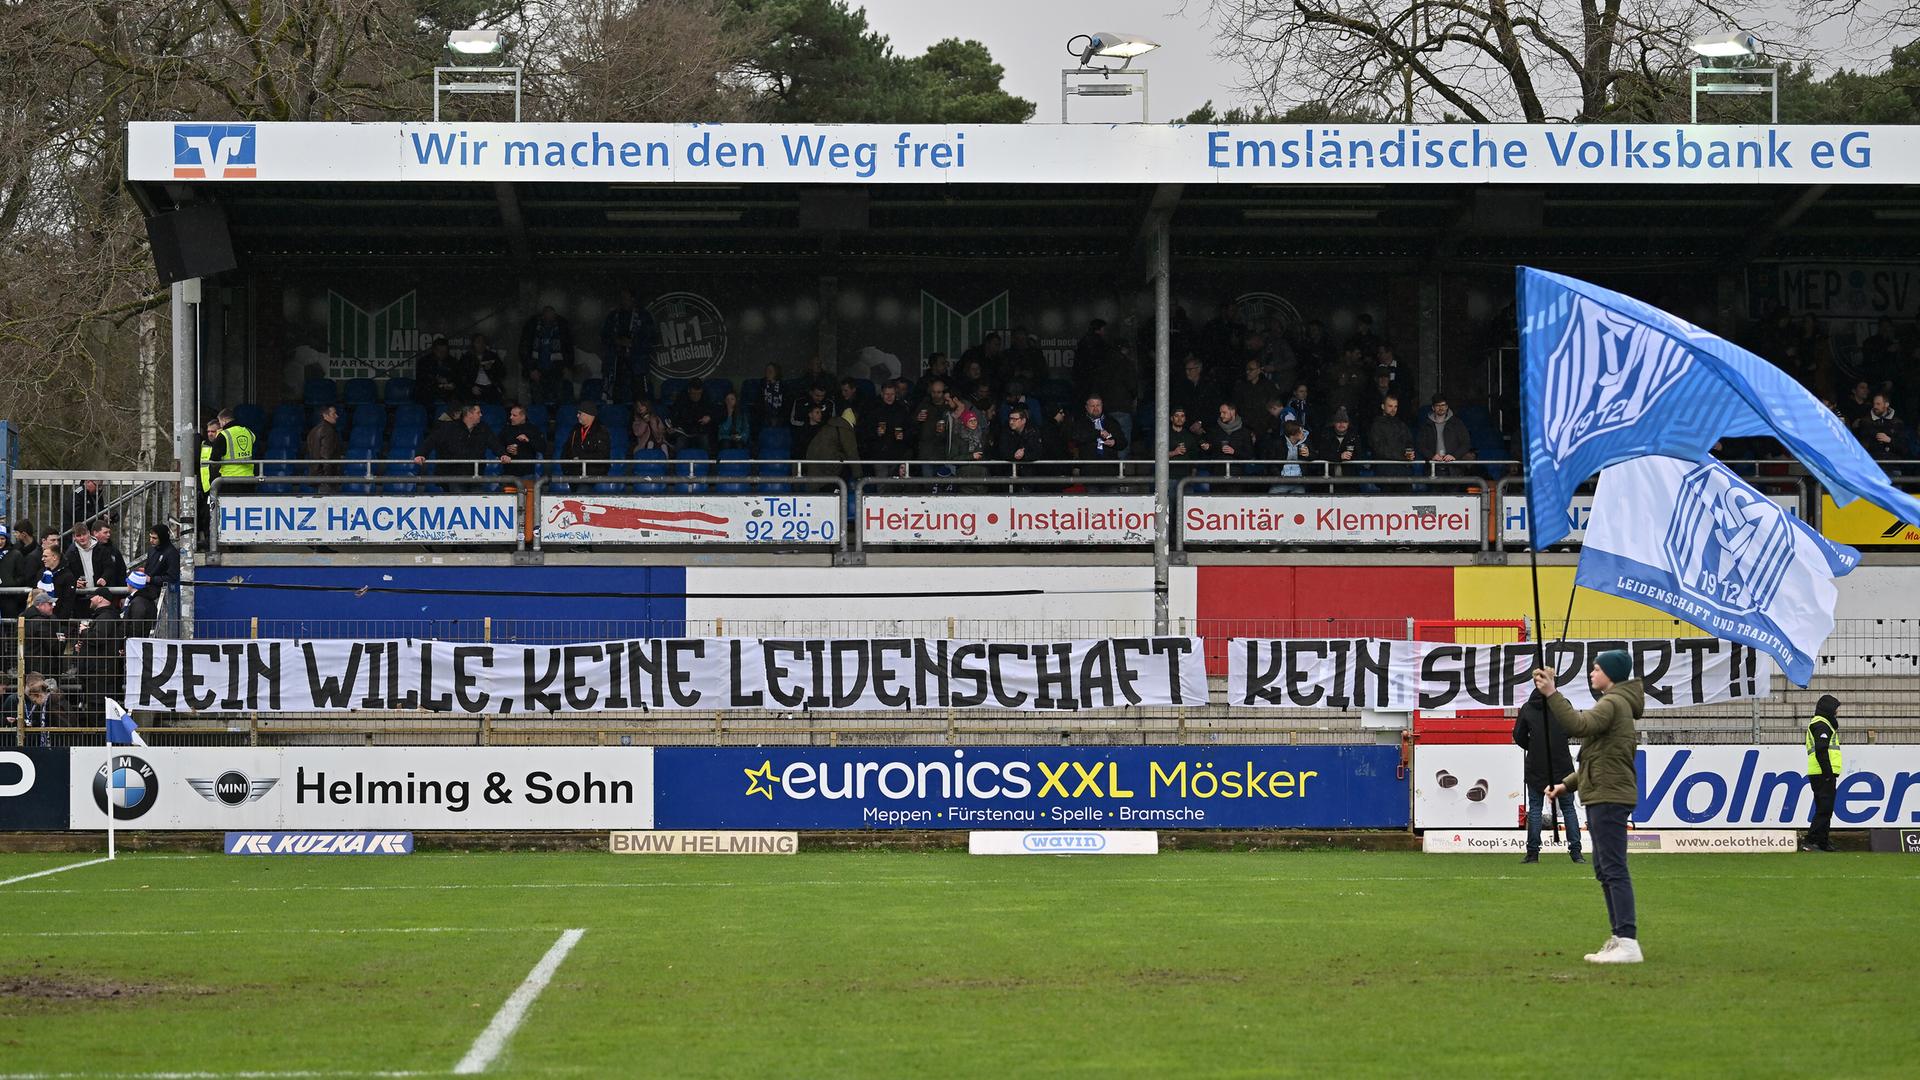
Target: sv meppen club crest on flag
x,y
1694,539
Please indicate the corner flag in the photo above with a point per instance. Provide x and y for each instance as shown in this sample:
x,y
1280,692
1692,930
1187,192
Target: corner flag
x,y
121,730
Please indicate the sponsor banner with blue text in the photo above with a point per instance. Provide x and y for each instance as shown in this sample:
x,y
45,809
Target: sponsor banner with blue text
x,y
368,519
1717,787
582,518
1087,842
33,788
988,787
311,843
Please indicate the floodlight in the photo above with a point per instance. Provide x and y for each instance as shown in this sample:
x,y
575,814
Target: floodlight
x,y
1730,44
1117,45
474,42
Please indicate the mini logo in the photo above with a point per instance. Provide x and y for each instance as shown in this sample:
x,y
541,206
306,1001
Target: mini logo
x,y
1728,544
1063,842
693,336
127,784
213,151
1605,373
232,788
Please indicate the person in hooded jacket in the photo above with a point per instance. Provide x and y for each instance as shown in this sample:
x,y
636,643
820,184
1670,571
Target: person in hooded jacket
x,y
1547,759
1607,783
1823,770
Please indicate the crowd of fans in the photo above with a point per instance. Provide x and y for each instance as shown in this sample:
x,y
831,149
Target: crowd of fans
x,y
71,600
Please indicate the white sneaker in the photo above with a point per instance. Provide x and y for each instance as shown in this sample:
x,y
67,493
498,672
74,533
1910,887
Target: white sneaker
x,y
1594,957
1624,951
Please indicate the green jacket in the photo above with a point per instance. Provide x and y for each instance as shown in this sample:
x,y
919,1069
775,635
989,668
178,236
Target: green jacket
x,y
1606,773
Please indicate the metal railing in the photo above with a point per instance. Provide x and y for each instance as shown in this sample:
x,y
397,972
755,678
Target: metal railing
x,y
58,500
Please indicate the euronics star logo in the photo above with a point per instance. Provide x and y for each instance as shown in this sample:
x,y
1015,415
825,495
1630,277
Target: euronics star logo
x,y
759,779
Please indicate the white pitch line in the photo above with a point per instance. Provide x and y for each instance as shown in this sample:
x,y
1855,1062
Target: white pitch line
x,y
505,1022
273,930
249,1074
56,870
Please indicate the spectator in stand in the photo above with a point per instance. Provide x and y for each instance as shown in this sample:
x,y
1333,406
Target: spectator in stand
x,y
970,444
83,571
589,442
833,441
1348,383
162,563
1053,438
1221,339
1443,438
460,445
937,367
1228,437
45,631
1382,387
771,408
435,374
930,423
109,563
1253,393
1193,392
324,445
1094,436
19,568
1291,447
1385,360
86,502
627,337
1024,361
1364,341
802,423
36,713
1880,354
1884,435
883,430
483,373
694,418
1313,353
850,399
1019,443
647,430
1858,404
733,427
1114,382
1390,440
1274,358
816,376
546,355
1298,405
989,356
1090,357
521,444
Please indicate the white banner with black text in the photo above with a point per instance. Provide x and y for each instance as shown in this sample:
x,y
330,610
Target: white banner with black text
x,y
879,674
1433,676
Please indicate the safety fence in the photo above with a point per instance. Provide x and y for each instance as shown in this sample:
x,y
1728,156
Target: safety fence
x,y
1871,665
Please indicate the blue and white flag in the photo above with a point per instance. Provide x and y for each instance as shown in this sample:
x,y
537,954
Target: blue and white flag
x,y
121,730
1607,378
1693,539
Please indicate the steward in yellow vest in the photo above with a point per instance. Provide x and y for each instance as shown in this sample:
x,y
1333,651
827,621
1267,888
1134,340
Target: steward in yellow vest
x,y
1823,770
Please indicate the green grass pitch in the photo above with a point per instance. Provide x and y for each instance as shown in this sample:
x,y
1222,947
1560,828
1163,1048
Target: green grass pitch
x,y
902,964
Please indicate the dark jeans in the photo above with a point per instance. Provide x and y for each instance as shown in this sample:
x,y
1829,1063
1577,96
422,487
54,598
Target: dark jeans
x,y
1569,820
1822,808
1607,824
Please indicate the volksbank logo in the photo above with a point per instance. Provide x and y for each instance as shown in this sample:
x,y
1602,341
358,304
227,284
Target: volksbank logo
x,y
1607,370
213,151
1726,543
946,329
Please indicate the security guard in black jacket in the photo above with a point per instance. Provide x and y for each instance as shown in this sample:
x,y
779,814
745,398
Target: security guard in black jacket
x,y
1548,759
1823,770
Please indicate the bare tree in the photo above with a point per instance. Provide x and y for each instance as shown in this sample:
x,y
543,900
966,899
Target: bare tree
x,y
1474,60
633,61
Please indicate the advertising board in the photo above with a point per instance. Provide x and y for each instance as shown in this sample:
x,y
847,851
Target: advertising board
x,y
1327,519
1007,519
33,788
1513,516
1863,524
1028,788
774,520
368,519
262,790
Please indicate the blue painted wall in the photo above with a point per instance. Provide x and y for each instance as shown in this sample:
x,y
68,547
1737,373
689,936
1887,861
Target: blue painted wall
x,y
629,601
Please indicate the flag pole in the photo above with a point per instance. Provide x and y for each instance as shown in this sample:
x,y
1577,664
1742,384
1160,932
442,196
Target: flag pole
x,y
111,816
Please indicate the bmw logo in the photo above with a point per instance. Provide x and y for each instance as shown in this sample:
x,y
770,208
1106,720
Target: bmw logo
x,y
127,784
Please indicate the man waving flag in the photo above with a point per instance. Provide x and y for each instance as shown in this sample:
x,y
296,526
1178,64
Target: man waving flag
x,y
1608,378
1693,539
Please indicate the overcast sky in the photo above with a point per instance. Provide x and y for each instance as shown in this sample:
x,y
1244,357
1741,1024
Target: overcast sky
x,y
1029,39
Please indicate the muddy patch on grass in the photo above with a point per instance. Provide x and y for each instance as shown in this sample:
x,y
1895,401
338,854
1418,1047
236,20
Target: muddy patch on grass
x,y
46,990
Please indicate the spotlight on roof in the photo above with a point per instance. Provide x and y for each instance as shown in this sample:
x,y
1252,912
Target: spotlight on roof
x,y
1733,43
474,42
1117,45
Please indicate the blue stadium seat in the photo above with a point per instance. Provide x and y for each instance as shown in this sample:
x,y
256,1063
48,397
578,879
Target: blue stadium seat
x,y
289,415
718,389
1053,392
494,416
399,390
670,391
616,418
541,417
275,469
359,392
649,463
780,475
402,469
410,415
593,390
319,392
369,415
733,463
776,443
750,392
252,416
364,436
402,444
361,454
